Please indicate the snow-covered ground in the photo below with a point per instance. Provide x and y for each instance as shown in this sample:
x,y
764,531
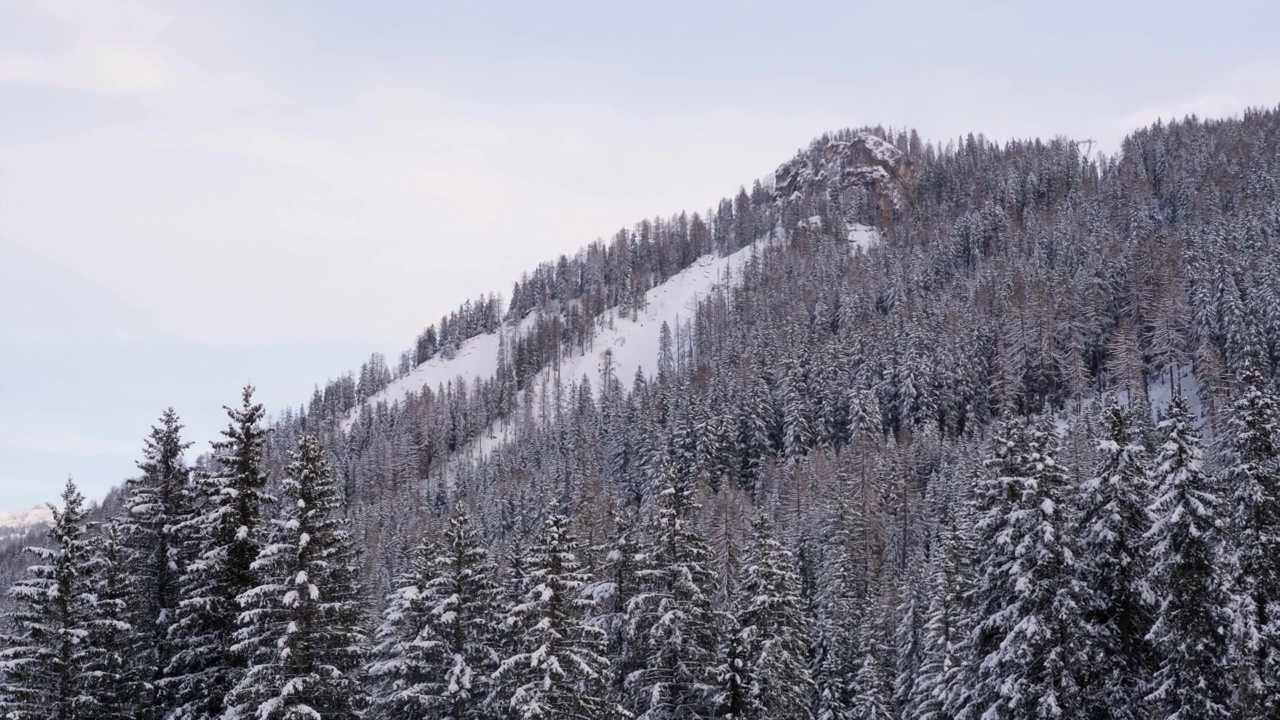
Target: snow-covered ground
x,y
633,341
477,358
1161,393
631,338
862,237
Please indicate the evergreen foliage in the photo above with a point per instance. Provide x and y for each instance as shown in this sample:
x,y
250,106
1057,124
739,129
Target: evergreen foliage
x,y
301,629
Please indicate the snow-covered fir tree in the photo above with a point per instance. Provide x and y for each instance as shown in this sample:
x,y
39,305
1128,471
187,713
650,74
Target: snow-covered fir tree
x,y
226,532
1251,475
438,645
872,691
942,639
152,549
1028,666
1116,602
1189,634
616,584
559,671
775,629
117,681
670,618
301,629
48,649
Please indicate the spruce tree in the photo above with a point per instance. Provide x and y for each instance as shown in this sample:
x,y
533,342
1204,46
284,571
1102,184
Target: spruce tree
x,y
118,683
733,698
991,592
872,689
617,583
1028,666
44,658
153,506
909,637
225,533
403,670
1189,631
942,639
559,671
1251,474
462,606
1116,603
301,629
775,628
437,646
670,618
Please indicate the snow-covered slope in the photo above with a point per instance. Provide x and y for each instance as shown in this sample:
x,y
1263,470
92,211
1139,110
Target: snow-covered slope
x,y
632,338
477,358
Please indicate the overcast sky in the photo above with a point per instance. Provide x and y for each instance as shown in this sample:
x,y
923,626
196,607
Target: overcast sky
x,y
196,195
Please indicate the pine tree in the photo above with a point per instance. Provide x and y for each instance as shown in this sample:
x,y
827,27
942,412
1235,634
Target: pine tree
x,y
1116,603
301,628
154,504
775,629
225,532
558,671
1252,477
43,660
1189,632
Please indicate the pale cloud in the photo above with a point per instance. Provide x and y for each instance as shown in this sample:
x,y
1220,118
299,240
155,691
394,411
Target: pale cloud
x,y
1250,86
58,443
106,69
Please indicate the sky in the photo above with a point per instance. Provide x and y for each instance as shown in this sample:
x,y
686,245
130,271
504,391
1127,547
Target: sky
x,y
195,196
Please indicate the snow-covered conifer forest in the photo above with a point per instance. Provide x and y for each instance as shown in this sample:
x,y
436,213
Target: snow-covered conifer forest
x,y
908,431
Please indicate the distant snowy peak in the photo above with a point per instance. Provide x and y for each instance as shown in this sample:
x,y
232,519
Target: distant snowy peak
x,y
862,160
16,524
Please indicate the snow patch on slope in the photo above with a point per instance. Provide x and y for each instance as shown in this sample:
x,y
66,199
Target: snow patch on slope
x,y
1160,391
475,359
862,237
634,340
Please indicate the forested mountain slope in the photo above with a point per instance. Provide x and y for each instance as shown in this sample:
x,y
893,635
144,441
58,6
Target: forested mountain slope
x,y
918,431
